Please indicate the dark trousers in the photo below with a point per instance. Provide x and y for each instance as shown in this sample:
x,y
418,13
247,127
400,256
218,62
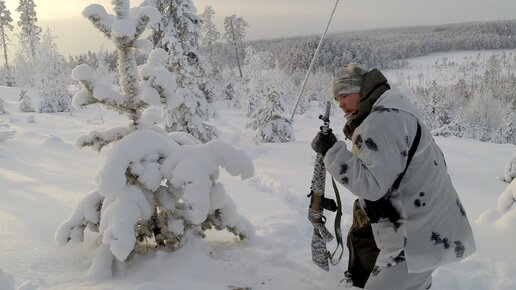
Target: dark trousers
x,y
362,247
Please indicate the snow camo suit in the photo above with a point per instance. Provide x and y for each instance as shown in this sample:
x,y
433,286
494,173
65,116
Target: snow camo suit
x,y
422,224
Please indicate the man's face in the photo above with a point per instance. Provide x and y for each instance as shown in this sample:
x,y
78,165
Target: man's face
x,y
348,103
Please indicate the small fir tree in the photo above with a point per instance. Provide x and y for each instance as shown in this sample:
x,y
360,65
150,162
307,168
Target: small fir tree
x,y
270,125
508,130
152,191
510,170
25,102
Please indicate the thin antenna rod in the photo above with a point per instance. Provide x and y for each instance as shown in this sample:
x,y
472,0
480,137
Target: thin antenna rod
x,y
312,62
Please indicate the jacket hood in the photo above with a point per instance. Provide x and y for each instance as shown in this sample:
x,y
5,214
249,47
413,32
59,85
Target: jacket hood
x,y
394,99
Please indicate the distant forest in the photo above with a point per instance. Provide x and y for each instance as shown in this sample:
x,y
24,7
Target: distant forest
x,y
382,48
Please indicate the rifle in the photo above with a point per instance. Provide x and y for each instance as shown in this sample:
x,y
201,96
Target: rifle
x,y
321,235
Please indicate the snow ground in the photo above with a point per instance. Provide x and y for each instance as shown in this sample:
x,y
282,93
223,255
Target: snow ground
x,y
43,176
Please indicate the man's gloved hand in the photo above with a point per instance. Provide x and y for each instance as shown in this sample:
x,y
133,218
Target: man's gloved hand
x,y
323,142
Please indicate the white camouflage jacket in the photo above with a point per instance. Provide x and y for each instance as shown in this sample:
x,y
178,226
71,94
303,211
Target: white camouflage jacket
x,y
423,222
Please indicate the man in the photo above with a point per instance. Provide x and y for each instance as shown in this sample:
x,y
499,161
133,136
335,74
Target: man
x,y
399,175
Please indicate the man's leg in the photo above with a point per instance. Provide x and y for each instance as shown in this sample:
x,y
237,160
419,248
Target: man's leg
x,y
398,278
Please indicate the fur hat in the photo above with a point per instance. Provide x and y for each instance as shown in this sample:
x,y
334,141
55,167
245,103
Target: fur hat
x,y
348,79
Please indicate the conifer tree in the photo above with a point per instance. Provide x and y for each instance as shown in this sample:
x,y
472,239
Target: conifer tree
x,y
152,191
52,77
194,74
510,170
103,71
235,31
25,102
270,125
5,26
29,35
508,129
209,33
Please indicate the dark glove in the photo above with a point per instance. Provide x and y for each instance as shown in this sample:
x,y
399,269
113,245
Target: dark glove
x,y
323,142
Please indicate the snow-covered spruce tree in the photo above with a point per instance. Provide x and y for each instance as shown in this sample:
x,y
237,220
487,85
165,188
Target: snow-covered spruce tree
x,y
508,128
25,102
29,34
270,125
510,170
260,72
187,26
103,71
256,65
507,199
151,191
180,41
52,77
209,33
234,32
5,26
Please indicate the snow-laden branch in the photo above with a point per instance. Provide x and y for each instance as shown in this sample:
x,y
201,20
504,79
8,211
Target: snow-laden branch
x,y
121,8
143,17
94,91
98,15
97,140
159,84
118,233
507,199
87,213
132,150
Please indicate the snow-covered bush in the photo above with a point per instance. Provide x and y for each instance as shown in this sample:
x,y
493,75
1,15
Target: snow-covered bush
x,y
25,102
507,198
510,170
5,132
270,125
507,132
151,191
456,128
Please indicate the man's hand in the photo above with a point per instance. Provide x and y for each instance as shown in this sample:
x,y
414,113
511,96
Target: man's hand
x,y
323,142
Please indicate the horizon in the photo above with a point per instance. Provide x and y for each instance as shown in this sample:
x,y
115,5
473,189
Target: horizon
x,y
263,16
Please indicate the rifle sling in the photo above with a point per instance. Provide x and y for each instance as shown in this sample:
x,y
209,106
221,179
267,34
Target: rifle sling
x,y
338,231
411,153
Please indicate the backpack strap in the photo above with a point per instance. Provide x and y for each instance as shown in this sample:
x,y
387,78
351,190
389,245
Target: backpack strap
x,y
412,150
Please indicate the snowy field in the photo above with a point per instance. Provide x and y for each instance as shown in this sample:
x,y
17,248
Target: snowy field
x,y
448,67
43,176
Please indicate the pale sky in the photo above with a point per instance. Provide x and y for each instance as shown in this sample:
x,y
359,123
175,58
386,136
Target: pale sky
x,y
277,18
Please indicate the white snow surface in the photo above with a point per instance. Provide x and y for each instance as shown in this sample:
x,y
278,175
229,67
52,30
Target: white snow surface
x,y
43,176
